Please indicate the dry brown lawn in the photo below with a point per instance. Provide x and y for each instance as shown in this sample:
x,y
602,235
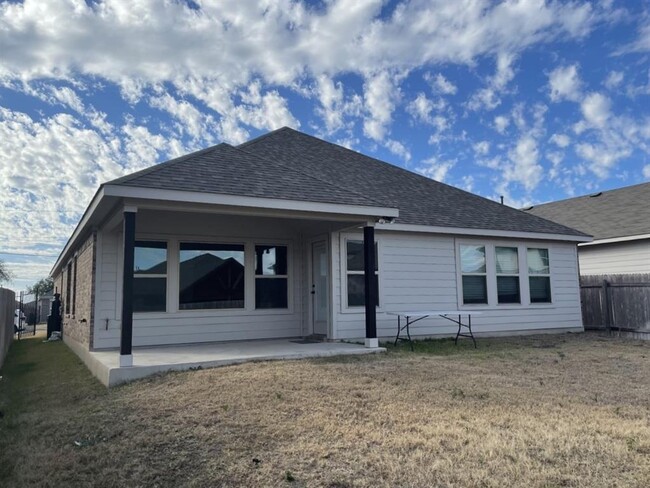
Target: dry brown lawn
x,y
545,411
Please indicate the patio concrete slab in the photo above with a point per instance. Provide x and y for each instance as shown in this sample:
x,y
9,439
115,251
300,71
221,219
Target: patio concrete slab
x,y
148,361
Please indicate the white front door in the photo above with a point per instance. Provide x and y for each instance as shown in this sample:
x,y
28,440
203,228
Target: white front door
x,y
319,287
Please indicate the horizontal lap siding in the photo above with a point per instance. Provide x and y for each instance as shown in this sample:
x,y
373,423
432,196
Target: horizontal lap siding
x,y
418,271
619,258
196,326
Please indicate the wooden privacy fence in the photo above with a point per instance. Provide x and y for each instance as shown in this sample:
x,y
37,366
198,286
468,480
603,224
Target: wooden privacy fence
x,y
7,310
620,302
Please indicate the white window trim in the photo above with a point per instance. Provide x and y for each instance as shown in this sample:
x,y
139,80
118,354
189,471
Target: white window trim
x,y
548,275
509,275
166,276
524,290
343,253
258,242
173,276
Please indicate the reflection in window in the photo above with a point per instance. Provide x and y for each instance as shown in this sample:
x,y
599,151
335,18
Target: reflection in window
x,y
539,279
211,276
271,277
507,260
355,274
150,276
473,268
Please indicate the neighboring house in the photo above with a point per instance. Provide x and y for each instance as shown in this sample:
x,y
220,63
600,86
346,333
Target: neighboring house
x,y
274,239
618,220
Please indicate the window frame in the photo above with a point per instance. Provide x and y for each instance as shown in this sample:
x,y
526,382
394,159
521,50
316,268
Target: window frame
x,y
220,242
524,291
548,275
266,277
461,298
343,257
517,275
154,275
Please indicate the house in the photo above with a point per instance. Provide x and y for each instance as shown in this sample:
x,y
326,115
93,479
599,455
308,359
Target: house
x,y
618,220
289,236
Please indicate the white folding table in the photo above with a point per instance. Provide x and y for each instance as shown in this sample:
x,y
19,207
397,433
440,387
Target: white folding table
x,y
415,316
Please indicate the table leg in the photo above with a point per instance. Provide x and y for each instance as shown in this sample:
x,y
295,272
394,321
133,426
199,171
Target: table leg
x,y
458,333
408,332
469,326
399,328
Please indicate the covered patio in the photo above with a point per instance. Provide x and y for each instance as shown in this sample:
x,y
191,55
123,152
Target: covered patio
x,y
105,365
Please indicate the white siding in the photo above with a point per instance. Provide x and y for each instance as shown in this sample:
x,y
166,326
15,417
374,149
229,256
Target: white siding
x,y
617,258
418,272
199,325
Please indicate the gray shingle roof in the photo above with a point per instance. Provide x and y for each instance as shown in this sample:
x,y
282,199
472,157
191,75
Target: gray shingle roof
x,y
224,169
420,200
288,164
608,214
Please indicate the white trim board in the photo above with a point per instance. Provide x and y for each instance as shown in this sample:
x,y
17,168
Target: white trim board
x,y
480,232
613,240
250,202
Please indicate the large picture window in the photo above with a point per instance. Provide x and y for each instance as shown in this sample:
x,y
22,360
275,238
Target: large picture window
x,y
150,276
355,273
539,275
474,274
211,276
271,277
507,261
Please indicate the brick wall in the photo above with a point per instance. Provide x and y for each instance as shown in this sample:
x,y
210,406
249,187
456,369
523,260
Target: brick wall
x,y
79,325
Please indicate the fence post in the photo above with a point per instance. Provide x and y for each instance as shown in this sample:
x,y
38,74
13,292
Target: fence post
x,y
606,301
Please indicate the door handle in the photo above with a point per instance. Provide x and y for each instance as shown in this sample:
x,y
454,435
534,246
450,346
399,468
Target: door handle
x,y
313,289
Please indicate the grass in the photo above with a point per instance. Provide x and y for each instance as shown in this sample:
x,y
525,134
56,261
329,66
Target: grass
x,y
545,411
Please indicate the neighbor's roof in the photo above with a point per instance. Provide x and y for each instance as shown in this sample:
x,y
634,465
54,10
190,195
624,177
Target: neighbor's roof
x,y
605,215
288,164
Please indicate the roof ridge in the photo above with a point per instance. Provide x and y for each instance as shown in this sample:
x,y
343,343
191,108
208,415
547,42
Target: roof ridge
x,y
157,166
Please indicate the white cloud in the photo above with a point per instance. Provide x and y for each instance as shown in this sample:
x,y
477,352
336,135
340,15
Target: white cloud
x,y
564,83
421,107
441,85
501,123
642,41
481,148
601,157
435,168
560,140
485,98
398,149
614,79
646,171
596,109
380,96
525,168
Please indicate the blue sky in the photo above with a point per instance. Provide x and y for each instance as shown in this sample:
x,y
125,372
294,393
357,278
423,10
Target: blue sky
x,y
532,100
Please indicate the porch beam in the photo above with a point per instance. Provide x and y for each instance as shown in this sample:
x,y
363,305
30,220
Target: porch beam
x,y
369,282
126,333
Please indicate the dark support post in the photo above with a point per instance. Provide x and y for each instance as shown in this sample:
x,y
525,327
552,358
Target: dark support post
x,y
126,336
607,302
370,290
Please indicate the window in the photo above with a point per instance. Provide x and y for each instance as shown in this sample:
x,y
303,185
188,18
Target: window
x,y
68,287
74,287
539,275
507,261
150,276
211,276
271,277
355,274
474,274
